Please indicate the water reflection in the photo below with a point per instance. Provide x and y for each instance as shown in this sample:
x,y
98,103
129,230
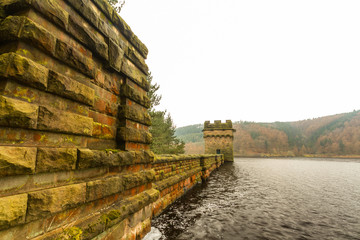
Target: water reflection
x,y
270,199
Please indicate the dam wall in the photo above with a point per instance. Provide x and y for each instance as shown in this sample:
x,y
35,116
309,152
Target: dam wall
x,y
75,161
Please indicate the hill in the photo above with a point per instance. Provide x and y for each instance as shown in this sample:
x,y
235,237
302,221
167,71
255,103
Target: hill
x,y
336,136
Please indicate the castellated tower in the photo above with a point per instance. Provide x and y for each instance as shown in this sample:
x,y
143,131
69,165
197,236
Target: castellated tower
x,y
219,139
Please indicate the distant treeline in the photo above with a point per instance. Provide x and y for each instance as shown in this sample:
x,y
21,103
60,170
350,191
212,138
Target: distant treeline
x,y
335,135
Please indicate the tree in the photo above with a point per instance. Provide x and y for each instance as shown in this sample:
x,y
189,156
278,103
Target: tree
x,y
162,129
117,4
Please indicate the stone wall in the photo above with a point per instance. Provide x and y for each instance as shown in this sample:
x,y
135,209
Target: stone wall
x,y
219,139
74,140
176,174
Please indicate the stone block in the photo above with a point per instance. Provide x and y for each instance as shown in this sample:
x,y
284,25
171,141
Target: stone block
x,y
56,159
52,11
115,55
95,158
134,135
16,67
86,34
135,95
17,160
16,113
74,58
50,201
37,35
104,187
130,70
105,7
11,6
126,30
84,8
65,86
13,210
137,59
128,112
59,121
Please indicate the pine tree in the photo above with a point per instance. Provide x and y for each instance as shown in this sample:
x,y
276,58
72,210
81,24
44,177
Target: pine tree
x,y
162,129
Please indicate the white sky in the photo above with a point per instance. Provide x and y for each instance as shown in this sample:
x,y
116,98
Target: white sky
x,y
253,60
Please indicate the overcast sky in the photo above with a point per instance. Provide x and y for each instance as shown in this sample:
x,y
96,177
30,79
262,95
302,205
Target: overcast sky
x,y
254,60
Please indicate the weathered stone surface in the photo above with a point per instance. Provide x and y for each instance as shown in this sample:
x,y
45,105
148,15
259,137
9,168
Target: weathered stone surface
x,y
134,135
105,7
104,187
17,160
56,159
52,11
12,210
131,93
11,6
59,121
84,8
86,35
74,58
127,112
16,113
126,30
115,55
50,201
9,28
37,35
138,179
14,66
135,74
137,59
70,88
95,158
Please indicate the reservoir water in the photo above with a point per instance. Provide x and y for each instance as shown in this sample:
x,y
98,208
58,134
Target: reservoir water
x,y
269,199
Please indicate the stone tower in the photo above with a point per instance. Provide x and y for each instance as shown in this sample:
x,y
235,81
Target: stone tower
x,y
219,139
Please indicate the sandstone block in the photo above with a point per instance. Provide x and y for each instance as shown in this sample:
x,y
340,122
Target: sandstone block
x,y
74,58
137,96
137,59
14,66
134,135
56,159
84,7
52,11
16,113
13,210
127,112
17,160
37,35
60,121
126,30
70,88
86,35
50,201
104,187
115,55
105,7
95,158
130,70
11,6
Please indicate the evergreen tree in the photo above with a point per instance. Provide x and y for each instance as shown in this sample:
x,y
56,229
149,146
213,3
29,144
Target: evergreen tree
x,y
162,129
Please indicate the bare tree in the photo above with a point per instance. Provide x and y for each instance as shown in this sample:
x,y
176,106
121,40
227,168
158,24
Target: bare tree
x,y
117,4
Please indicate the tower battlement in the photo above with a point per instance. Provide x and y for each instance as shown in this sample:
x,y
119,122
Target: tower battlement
x,y
218,138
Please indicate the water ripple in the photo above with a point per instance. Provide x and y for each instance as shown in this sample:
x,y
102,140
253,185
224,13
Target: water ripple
x,y
269,199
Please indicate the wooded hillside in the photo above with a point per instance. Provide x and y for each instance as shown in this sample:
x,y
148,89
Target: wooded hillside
x,y
335,135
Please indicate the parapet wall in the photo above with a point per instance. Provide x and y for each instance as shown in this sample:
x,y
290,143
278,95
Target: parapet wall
x,y
176,174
